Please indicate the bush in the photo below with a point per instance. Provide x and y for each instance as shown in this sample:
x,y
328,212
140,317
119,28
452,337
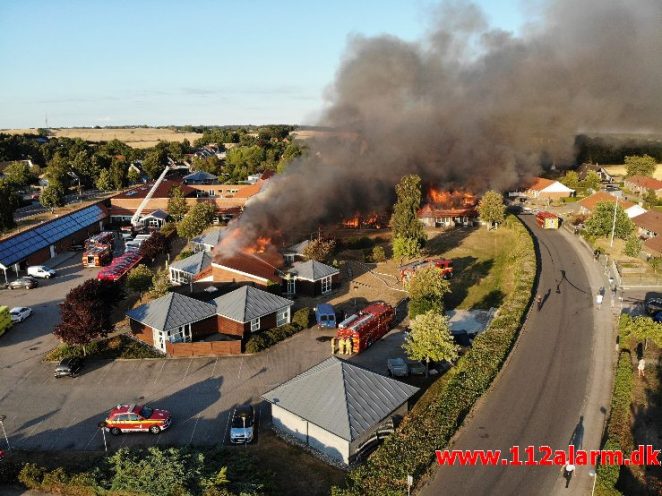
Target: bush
x,y
263,340
357,243
31,476
378,254
419,306
184,254
121,346
443,407
303,317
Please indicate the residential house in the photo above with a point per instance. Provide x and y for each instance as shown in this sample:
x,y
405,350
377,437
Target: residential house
x,y
200,177
207,241
310,278
339,409
649,225
588,204
447,209
195,268
641,185
584,169
295,252
252,268
547,189
248,309
156,218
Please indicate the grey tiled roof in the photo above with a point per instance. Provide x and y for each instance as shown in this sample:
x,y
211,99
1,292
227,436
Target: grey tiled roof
x,y
210,238
200,176
172,311
248,303
194,264
298,248
341,398
157,214
312,270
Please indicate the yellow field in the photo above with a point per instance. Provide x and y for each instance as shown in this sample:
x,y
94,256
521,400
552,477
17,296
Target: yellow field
x,y
619,170
135,137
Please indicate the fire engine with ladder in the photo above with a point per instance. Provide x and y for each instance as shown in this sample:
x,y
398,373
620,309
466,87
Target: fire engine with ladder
x,y
360,330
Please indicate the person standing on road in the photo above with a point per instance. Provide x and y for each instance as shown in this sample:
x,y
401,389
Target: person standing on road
x,y
568,470
642,367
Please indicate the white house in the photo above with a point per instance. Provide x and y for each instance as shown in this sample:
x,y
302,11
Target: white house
x,y
548,189
339,409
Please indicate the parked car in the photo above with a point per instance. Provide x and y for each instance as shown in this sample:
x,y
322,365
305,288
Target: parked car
x,y
69,367
416,368
19,314
325,315
653,305
397,367
41,271
137,418
25,282
243,422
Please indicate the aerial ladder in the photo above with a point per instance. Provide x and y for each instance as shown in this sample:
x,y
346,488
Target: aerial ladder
x,y
136,220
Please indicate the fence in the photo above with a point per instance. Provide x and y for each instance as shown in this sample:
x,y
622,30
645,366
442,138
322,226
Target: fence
x,y
214,348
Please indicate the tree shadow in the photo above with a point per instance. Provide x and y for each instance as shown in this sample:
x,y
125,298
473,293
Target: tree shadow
x,y
467,272
493,299
444,241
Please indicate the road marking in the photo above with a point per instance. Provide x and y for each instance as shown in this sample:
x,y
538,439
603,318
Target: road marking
x,y
240,366
160,372
96,431
214,369
197,418
188,368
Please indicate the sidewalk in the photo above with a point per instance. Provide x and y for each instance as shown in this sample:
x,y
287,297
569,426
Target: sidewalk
x,y
598,397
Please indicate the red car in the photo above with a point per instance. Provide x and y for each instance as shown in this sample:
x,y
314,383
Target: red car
x,y
137,418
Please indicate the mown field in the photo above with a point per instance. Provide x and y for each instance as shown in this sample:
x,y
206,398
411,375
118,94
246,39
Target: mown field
x,y
619,170
135,137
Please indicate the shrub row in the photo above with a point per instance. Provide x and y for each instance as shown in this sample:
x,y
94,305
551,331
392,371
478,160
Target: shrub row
x,y
110,348
619,433
301,319
443,407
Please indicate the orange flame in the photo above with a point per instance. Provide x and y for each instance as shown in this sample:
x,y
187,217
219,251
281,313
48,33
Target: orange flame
x,y
260,246
352,222
451,199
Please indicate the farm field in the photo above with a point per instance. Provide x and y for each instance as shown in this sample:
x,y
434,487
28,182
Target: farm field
x,y
619,170
135,137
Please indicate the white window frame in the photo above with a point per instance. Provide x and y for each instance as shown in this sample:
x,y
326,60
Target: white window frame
x,y
290,286
327,284
255,324
283,316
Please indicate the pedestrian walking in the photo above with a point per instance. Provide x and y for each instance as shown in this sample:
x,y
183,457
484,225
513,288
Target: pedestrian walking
x,y
642,367
568,470
539,302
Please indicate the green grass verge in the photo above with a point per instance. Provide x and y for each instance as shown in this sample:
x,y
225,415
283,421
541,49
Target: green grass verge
x,y
120,346
443,407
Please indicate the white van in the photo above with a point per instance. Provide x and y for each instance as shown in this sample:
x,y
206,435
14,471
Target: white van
x,y
41,272
133,245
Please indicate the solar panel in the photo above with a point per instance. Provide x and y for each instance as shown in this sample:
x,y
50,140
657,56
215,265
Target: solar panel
x,y
23,245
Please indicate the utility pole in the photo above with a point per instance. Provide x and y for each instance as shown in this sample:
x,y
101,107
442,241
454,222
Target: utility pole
x,y
613,225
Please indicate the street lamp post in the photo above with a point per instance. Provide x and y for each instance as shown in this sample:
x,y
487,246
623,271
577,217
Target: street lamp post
x,y
102,426
4,432
593,473
613,224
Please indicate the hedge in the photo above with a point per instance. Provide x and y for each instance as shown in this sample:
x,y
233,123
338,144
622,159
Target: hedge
x,y
443,407
619,432
263,340
303,317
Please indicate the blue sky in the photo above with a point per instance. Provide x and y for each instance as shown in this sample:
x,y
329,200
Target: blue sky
x,y
111,62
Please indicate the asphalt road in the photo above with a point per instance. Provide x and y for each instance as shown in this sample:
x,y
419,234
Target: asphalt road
x,y
538,398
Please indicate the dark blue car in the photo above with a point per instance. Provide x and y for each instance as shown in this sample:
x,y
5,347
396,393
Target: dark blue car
x,y
325,315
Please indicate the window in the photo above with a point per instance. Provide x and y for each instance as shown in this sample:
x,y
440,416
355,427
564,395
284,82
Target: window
x,y
291,286
283,316
255,324
326,284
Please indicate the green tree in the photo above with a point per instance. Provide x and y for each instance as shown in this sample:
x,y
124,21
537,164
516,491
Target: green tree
x,y
641,329
118,174
426,288
632,246
319,249
196,220
430,339
19,174
85,167
104,181
133,176
156,244
52,196
600,223
571,179
211,165
655,263
155,162
491,208
640,165
177,206
408,231
161,283
292,151
591,181
139,279
8,205
650,199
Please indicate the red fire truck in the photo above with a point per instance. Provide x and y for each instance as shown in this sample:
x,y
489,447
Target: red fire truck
x,y
443,264
104,238
367,326
97,256
547,220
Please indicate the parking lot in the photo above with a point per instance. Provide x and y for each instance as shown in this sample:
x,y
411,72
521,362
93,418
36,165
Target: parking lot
x,y
44,413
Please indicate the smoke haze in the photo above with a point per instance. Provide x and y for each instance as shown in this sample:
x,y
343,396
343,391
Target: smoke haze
x,y
469,106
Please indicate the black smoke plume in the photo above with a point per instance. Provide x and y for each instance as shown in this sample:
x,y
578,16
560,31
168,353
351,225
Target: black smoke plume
x,y
469,106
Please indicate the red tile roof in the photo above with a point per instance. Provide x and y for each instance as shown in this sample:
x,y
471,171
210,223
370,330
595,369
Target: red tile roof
x,y
645,182
540,183
438,212
651,221
590,202
257,265
654,244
